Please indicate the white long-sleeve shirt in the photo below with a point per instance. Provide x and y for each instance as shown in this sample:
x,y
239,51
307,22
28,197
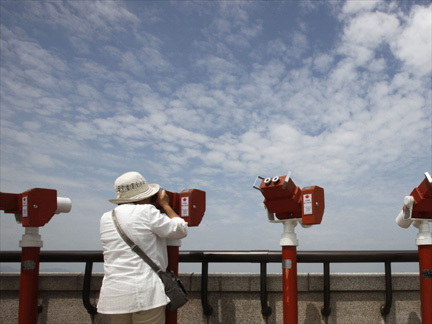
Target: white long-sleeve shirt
x,y
130,284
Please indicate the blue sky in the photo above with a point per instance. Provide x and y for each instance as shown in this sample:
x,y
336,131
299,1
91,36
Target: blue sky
x,y
209,95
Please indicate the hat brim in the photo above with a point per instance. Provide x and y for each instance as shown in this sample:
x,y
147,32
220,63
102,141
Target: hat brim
x,y
152,190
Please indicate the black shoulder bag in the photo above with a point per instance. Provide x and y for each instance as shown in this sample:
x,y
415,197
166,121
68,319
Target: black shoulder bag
x,y
174,288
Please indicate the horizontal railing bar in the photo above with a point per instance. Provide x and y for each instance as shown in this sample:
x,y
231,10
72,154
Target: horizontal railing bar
x,y
56,256
371,256
302,256
357,256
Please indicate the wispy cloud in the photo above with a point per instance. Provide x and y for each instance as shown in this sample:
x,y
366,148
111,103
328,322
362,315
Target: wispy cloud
x,y
85,19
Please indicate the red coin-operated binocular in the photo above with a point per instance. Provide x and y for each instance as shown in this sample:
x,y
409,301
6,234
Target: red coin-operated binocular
x,y
35,207
188,204
291,205
417,210
287,201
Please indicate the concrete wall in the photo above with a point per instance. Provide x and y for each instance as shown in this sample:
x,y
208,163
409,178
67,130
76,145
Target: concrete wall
x,y
235,298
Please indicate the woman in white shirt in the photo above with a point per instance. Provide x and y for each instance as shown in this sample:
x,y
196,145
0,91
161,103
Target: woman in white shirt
x,y
131,291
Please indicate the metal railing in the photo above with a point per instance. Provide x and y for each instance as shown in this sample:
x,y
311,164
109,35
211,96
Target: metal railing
x,y
261,257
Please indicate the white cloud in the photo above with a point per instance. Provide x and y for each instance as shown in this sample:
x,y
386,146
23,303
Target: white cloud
x,y
323,62
355,7
372,29
414,44
365,33
409,37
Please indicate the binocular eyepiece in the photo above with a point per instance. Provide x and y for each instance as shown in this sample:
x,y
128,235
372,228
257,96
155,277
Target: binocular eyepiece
x,y
285,200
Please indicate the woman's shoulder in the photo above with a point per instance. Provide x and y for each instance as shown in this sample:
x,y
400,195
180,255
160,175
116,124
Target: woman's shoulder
x,y
137,209
130,207
146,207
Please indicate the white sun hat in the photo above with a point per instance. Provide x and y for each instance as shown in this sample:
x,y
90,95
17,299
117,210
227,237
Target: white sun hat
x,y
132,187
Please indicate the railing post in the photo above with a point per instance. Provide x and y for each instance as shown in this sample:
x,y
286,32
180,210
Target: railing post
x,y
385,309
87,288
207,309
325,310
265,308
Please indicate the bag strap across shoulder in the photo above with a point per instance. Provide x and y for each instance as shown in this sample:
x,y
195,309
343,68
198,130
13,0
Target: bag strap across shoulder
x,y
135,247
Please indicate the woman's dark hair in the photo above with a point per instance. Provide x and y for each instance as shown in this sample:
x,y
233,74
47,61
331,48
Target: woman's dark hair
x,y
154,198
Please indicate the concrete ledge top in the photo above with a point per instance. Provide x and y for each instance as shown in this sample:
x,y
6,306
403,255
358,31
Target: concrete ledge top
x,y
233,282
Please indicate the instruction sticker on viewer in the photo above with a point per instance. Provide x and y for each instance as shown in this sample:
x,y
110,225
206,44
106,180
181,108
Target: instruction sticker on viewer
x,y
307,204
184,207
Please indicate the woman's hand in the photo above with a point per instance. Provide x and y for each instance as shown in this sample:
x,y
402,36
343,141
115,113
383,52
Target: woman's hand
x,y
162,199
